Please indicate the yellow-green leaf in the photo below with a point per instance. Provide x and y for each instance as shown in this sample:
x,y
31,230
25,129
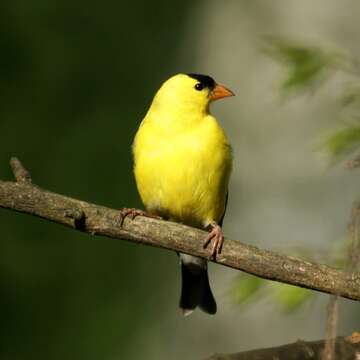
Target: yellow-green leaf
x,y
343,141
289,297
245,287
305,65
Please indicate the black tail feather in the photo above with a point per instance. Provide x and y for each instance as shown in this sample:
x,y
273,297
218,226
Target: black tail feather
x,y
195,290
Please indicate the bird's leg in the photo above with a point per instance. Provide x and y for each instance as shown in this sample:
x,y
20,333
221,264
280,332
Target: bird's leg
x,y
133,213
217,234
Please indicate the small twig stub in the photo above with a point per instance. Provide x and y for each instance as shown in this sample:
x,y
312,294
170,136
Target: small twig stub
x,y
20,173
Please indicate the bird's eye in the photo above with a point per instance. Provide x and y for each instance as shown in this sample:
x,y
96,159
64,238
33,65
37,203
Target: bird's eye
x,y
199,86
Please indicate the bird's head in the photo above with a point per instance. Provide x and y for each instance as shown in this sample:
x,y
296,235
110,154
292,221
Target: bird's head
x,y
190,92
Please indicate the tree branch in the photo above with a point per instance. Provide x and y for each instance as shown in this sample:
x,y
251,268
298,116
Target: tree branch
x,y
25,197
345,348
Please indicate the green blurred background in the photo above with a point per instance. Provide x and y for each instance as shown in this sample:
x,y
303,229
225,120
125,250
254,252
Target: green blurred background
x,y
76,78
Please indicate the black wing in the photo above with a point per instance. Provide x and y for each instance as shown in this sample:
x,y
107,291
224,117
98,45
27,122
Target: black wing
x,y
226,201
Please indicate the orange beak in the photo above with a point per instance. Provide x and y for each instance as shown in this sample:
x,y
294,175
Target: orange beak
x,y
219,92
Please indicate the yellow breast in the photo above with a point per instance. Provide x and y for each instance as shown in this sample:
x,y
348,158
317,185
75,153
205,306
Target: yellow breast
x,y
183,173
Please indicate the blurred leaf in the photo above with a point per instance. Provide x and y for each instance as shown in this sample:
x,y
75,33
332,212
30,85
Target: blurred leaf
x,y
306,65
289,297
245,287
342,141
351,96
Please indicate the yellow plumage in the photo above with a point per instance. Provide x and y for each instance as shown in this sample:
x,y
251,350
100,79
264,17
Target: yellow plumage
x,y
182,168
182,156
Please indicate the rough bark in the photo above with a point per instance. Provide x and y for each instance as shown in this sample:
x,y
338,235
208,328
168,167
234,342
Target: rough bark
x,y
345,349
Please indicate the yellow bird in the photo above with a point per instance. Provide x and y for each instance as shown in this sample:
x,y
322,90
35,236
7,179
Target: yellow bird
x,y
182,165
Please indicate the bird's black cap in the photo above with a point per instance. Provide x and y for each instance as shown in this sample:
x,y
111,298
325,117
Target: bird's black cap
x,y
205,80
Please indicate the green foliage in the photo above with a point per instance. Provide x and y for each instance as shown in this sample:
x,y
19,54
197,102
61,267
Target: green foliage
x,y
342,142
351,96
288,297
305,65
245,287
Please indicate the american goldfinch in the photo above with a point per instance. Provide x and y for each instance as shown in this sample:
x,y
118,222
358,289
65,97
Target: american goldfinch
x,y
182,165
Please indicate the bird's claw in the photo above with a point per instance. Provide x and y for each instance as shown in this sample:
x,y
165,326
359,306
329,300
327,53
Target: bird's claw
x,y
217,234
133,213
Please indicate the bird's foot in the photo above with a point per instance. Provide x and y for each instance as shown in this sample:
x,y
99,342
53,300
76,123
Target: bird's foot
x,y
133,213
217,234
